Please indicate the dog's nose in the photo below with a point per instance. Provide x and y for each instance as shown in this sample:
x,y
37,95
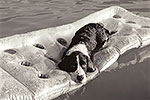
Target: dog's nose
x,y
80,78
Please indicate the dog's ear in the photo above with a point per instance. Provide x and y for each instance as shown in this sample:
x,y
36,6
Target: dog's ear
x,y
62,65
68,64
90,67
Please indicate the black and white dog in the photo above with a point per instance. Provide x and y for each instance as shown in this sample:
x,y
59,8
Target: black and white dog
x,y
78,58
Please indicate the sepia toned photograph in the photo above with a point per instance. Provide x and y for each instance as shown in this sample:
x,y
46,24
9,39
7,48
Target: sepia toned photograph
x,y
74,50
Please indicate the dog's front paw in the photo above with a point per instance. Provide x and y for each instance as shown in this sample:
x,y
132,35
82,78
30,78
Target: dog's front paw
x,y
91,69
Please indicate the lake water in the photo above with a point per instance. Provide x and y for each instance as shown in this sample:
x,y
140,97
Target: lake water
x,y
132,82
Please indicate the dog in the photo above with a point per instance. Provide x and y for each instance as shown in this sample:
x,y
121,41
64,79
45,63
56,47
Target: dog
x,y
78,58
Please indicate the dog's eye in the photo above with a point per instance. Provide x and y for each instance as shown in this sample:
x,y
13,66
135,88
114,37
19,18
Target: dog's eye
x,y
82,62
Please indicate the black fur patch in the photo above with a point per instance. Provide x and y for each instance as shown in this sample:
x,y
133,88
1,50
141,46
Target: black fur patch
x,y
94,35
69,62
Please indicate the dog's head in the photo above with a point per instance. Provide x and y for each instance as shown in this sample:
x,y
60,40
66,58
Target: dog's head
x,y
77,64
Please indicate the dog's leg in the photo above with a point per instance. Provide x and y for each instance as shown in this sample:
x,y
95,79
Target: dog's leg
x,y
90,66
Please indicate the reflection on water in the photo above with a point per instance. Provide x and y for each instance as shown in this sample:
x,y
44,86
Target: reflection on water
x,y
128,83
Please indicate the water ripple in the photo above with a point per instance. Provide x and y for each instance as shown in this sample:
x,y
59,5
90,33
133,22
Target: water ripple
x,y
9,18
31,10
117,2
140,9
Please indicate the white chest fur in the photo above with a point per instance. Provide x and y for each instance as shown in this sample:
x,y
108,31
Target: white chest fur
x,y
79,47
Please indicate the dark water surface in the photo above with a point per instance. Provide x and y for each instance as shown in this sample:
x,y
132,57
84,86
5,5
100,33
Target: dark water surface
x,y
132,82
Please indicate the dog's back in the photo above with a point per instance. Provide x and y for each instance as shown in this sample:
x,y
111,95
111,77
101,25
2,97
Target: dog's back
x,y
93,35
